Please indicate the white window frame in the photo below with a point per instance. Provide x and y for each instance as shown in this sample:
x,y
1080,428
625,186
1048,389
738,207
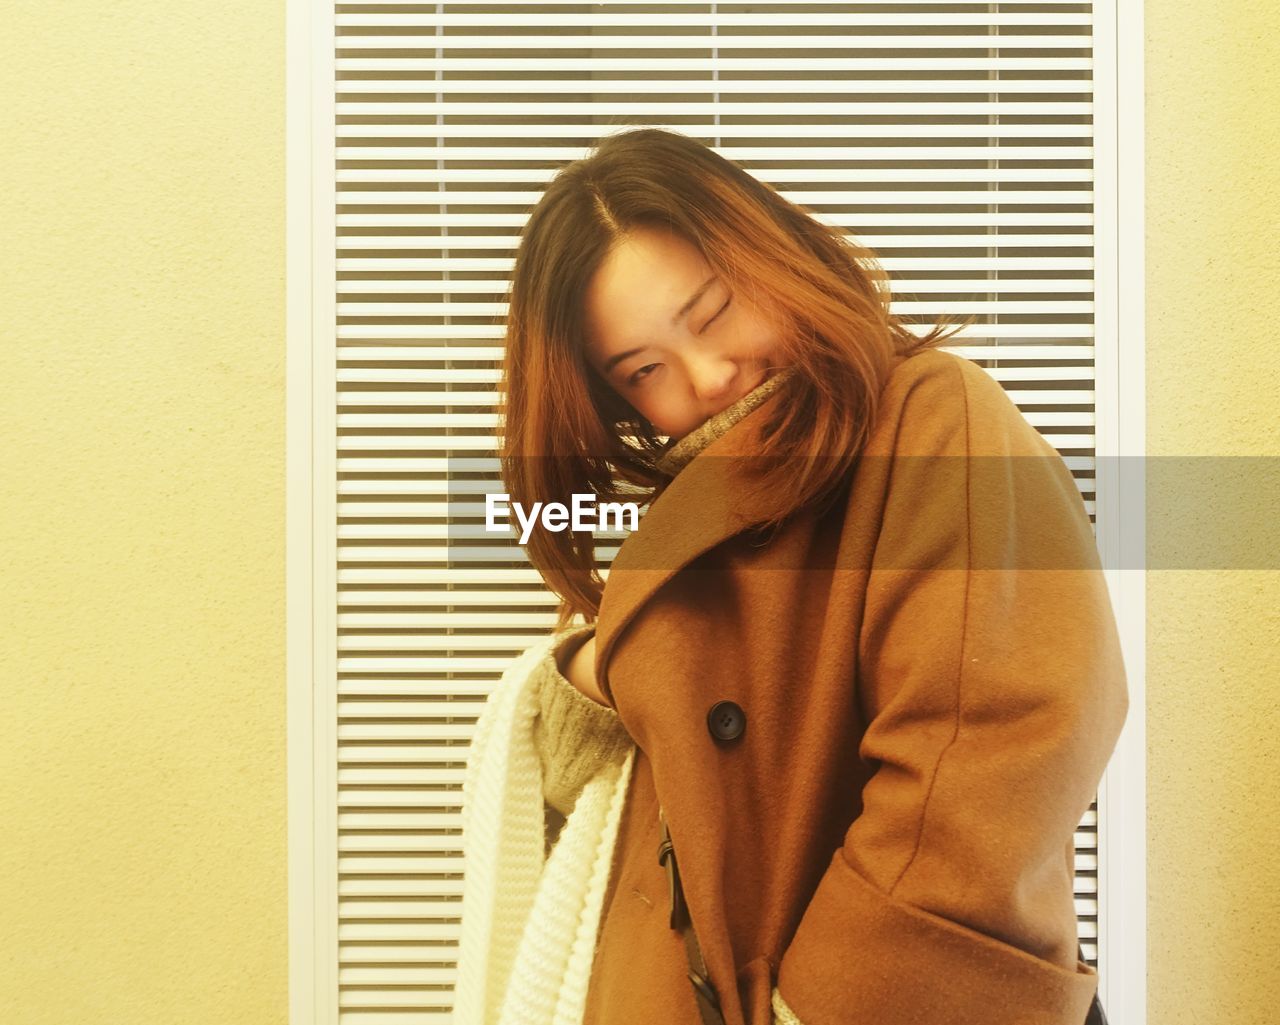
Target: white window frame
x,y
311,505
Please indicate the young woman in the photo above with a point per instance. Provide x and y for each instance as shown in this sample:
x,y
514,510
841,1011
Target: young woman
x,y
816,751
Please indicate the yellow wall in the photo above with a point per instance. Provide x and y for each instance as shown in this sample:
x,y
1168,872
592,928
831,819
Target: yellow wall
x,y
142,736
142,745
1213,644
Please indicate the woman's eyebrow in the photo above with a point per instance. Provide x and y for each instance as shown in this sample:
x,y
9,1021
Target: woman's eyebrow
x,y
613,361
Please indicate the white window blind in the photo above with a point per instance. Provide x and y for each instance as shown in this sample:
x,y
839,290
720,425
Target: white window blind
x,y
955,139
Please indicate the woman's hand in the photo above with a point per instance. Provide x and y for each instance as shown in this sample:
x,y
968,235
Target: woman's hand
x,y
581,671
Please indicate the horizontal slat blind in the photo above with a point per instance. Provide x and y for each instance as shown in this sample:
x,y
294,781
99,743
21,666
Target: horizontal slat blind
x,y
953,138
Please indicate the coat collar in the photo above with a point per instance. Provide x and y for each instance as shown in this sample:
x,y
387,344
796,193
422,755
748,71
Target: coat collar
x,y
700,507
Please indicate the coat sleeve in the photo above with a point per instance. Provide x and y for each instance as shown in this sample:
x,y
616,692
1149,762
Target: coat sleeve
x,y
993,692
574,734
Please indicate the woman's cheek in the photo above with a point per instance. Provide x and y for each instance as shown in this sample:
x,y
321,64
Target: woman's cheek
x,y
671,430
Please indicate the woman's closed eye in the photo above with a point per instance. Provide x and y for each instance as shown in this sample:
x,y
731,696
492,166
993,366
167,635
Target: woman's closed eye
x,y
718,312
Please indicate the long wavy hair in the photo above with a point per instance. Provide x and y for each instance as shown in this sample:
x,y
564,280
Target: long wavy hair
x,y
564,430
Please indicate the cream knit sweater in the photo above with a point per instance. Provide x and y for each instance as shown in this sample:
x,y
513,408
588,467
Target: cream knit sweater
x,y
546,783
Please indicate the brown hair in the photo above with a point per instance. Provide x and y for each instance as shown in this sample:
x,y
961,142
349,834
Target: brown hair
x,y
566,431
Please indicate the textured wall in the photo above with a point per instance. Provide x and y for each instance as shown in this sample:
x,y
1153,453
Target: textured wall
x,y
142,746
142,738
1213,646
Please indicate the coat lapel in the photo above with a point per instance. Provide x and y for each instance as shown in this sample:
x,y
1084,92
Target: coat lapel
x,y
704,504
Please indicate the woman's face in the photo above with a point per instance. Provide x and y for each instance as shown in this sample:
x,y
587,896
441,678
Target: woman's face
x,y
665,333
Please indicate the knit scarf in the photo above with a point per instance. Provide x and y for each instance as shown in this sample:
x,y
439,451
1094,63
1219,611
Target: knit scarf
x,y
530,920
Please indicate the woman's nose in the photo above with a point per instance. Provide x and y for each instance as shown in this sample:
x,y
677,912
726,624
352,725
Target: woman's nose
x,y
713,379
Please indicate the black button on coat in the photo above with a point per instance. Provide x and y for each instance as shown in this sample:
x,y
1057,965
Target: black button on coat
x,y
726,720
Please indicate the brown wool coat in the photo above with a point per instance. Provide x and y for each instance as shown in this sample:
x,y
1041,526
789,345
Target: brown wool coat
x,y
932,685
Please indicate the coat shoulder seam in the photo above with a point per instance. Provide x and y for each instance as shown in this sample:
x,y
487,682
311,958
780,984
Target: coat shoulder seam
x,y
964,627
